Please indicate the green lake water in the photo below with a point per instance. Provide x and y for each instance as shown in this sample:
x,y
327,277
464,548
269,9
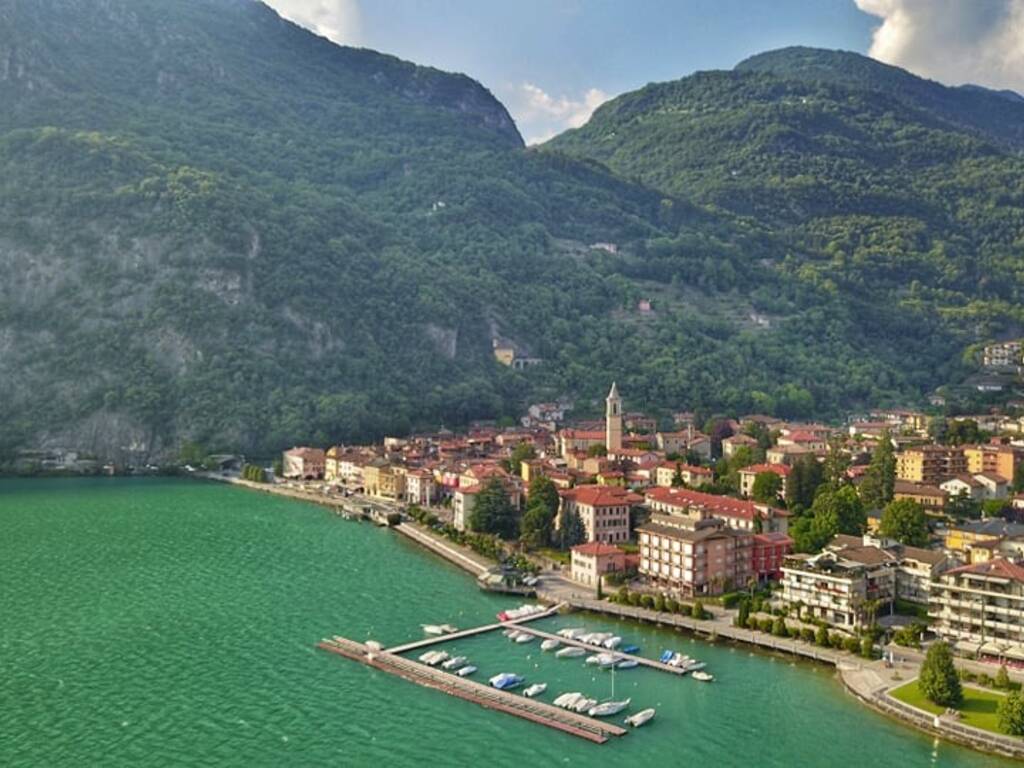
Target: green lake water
x,y
173,623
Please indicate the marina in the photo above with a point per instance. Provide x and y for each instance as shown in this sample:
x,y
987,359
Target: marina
x,y
523,707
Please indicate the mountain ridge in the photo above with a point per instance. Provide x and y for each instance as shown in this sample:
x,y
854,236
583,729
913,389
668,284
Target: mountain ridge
x,y
287,258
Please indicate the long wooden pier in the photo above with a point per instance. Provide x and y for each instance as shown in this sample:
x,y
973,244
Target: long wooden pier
x,y
641,660
517,623
535,711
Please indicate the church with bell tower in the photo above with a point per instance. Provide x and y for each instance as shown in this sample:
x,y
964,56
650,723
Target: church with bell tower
x,y
613,420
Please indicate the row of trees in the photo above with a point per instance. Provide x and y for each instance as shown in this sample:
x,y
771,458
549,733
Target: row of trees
x,y
493,512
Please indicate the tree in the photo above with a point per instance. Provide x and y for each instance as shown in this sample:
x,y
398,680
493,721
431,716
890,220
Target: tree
x,y
835,466
876,490
535,526
1018,478
677,476
572,529
1011,714
1002,678
938,679
697,611
523,451
802,484
961,506
937,427
832,512
905,521
543,491
598,449
493,511
766,487
743,614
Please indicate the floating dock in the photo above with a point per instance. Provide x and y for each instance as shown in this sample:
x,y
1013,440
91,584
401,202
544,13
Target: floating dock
x,y
645,662
588,728
513,623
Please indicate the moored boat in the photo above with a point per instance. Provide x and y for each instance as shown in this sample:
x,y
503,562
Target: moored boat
x,y
570,633
550,644
630,648
627,664
466,671
608,708
505,681
454,662
568,700
704,677
535,690
432,629
449,628
583,705
640,718
525,637
612,642
572,652
436,658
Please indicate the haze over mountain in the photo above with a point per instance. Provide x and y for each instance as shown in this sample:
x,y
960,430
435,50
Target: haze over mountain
x,y
216,226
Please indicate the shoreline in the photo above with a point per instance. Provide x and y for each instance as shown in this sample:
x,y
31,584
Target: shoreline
x,y
856,676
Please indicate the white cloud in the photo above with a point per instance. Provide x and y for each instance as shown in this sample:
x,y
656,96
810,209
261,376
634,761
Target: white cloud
x,y
541,115
337,20
953,41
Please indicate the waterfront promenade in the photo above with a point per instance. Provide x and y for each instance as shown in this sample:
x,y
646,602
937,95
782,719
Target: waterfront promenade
x,y
870,682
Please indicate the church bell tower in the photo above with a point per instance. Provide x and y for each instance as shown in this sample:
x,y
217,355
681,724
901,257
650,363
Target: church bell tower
x,y
613,420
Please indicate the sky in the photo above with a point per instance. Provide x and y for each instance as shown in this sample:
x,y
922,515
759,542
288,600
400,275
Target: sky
x,y
552,62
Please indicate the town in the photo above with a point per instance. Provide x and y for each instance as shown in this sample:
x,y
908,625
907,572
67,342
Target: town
x,y
899,526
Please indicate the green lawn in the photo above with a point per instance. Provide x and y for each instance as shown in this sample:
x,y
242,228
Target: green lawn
x,y
978,709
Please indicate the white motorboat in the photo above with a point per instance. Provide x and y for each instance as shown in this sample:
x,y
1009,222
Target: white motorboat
x,y
525,637
510,632
570,633
583,705
550,644
627,664
704,677
679,660
428,656
568,700
640,718
513,634
598,638
455,662
608,708
449,628
692,665
572,652
612,642
585,638
466,671
535,690
432,629
601,660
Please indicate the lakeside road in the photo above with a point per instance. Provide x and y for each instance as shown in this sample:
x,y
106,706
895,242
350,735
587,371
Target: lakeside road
x,y
870,682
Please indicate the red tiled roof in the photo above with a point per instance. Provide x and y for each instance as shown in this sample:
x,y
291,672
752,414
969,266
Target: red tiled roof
x,y
778,469
718,506
597,548
998,568
685,468
602,495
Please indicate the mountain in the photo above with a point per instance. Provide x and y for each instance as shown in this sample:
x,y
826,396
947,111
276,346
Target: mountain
x,y
218,227
883,187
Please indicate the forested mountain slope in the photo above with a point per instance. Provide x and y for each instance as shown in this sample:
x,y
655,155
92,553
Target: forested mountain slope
x,y
216,226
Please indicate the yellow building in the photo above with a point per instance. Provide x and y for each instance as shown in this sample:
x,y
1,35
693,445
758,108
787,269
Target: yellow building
x,y
995,459
380,479
930,464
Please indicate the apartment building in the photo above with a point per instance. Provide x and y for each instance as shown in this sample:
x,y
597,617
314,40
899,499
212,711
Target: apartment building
x,y
979,609
930,464
694,557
